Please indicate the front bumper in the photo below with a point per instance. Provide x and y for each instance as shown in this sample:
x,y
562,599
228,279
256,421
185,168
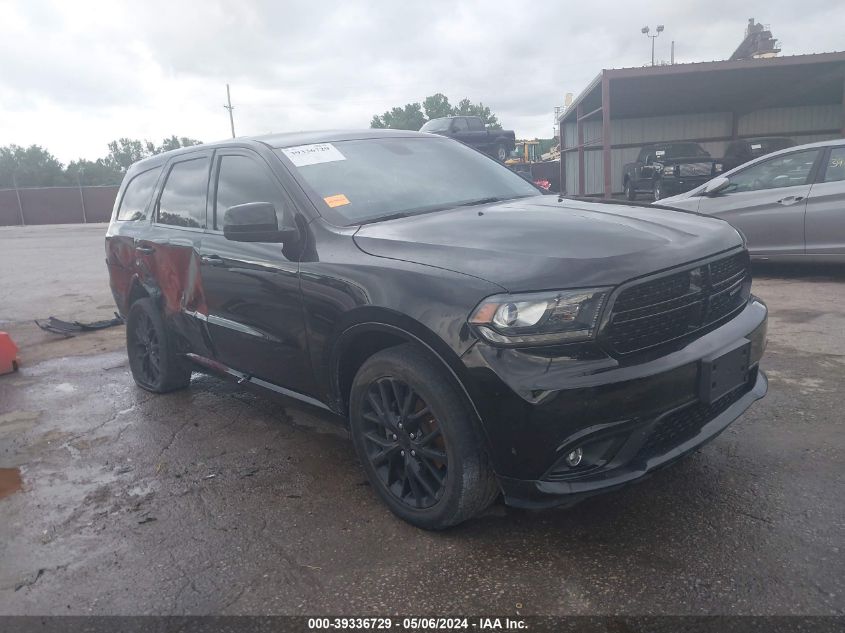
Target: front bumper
x,y
630,417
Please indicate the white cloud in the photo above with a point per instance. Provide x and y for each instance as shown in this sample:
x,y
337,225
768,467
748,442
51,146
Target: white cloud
x,y
77,75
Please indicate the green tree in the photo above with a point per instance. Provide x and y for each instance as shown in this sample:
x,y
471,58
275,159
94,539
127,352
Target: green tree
x,y
466,108
414,115
410,117
93,172
173,142
125,151
437,106
31,166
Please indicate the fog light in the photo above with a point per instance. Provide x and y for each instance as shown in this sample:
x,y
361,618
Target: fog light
x,y
574,457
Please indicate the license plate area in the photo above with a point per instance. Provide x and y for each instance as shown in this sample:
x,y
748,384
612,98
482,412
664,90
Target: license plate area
x,y
724,371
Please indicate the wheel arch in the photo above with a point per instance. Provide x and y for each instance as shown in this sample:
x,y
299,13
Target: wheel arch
x,y
138,290
361,340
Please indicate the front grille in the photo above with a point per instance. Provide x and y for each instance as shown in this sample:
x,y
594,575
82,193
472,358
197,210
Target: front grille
x,y
660,310
695,169
676,428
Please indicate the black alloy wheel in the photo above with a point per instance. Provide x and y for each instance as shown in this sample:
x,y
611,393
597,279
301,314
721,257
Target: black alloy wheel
x,y
419,440
144,340
156,366
405,445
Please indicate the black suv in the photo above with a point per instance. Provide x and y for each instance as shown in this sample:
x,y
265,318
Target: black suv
x,y
479,337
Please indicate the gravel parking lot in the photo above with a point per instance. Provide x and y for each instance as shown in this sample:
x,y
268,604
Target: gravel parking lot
x,y
216,500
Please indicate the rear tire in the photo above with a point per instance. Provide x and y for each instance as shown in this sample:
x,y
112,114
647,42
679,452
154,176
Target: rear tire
x,y
152,355
630,193
417,440
501,153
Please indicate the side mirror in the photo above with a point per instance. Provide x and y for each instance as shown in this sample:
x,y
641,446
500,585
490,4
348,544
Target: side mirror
x,y
716,185
255,222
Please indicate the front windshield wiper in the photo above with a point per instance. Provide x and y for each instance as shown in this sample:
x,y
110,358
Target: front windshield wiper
x,y
489,200
392,216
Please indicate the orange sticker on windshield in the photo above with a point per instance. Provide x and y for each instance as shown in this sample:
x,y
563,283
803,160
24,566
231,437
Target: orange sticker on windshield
x,y
336,201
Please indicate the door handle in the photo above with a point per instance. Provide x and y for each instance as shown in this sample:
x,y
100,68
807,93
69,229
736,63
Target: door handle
x,y
146,250
790,200
212,260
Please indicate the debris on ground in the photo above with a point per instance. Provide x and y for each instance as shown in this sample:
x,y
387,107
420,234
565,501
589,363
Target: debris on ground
x,y
72,328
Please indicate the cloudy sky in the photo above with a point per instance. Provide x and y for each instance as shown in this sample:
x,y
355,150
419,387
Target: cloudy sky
x,y
74,75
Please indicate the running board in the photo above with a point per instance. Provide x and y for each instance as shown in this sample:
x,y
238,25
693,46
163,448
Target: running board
x,y
242,378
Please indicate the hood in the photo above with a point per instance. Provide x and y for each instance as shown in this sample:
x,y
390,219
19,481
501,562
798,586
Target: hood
x,y
539,243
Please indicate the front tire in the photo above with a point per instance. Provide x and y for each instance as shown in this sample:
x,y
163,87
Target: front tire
x,y
630,194
417,440
153,359
657,191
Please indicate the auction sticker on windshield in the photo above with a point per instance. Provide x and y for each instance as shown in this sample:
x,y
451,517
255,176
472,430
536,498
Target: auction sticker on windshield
x,y
303,155
336,201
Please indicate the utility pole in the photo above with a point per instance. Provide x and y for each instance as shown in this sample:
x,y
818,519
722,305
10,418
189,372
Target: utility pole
x,y
230,107
645,31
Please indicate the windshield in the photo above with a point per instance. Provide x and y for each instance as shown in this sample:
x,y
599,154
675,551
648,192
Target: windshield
x,y
365,180
680,150
436,125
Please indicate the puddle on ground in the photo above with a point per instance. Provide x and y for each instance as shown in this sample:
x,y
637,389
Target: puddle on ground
x,y
10,481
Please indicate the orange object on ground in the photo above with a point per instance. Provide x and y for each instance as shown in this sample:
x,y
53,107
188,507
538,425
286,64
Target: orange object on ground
x,y
8,354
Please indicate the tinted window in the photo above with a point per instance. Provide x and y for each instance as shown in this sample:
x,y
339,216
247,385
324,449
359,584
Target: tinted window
x,y
182,201
460,125
133,206
836,165
783,171
242,180
364,180
476,125
436,125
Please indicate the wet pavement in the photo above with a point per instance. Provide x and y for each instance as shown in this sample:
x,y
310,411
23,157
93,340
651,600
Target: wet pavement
x,y
216,500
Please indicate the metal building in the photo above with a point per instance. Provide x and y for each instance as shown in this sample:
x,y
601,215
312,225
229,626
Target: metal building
x,y
711,103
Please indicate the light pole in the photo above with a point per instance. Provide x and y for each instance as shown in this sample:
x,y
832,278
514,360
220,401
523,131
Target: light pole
x,y
645,31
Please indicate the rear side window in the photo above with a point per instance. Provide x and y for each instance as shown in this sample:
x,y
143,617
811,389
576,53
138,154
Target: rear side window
x,y
835,171
133,206
182,201
475,125
460,125
242,180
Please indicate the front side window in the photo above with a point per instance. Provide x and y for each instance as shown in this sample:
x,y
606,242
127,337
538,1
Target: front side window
x,y
182,201
835,170
364,180
133,206
783,171
242,180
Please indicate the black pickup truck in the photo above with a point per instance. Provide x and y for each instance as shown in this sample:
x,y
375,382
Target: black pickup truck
x,y
666,169
471,131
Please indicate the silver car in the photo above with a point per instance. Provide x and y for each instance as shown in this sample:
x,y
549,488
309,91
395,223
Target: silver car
x,y
789,204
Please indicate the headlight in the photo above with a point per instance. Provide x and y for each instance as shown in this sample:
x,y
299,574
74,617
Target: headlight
x,y
718,166
669,170
542,318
